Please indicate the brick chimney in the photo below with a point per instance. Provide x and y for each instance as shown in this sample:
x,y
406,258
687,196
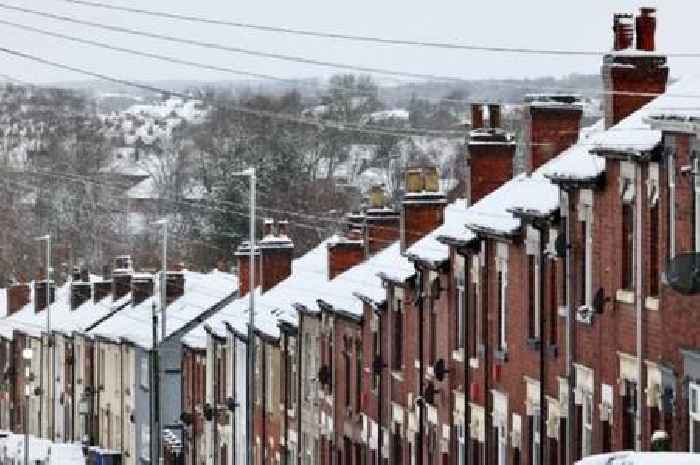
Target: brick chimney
x,y
344,252
382,225
422,209
174,286
627,74
552,124
101,289
41,299
80,292
490,153
243,255
141,288
122,270
277,252
18,295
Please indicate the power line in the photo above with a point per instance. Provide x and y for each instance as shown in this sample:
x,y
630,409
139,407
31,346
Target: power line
x,y
227,48
355,37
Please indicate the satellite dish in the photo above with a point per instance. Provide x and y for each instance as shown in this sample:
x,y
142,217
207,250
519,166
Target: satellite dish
x,y
429,393
186,418
231,404
683,273
208,412
132,419
440,369
560,245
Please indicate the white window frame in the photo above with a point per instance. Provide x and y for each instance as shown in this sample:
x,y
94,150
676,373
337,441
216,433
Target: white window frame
x,y
587,410
461,317
672,205
502,444
145,382
476,280
693,413
586,215
502,268
145,441
696,173
461,443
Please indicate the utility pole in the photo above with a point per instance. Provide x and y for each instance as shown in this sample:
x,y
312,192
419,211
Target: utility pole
x,y
163,304
51,345
250,369
27,356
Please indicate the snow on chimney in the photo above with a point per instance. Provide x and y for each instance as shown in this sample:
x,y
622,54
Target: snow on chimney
x,y
141,288
422,209
42,294
277,252
122,270
552,124
348,250
174,286
18,295
490,154
101,289
632,79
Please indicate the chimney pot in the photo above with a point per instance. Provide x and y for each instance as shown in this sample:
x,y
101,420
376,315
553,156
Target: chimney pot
x,y
477,116
376,196
623,31
414,180
283,228
495,116
268,226
646,29
18,295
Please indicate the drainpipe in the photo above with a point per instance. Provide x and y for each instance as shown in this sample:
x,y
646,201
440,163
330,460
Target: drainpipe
x,y
639,304
467,322
569,331
300,338
380,438
421,364
287,369
390,308
540,303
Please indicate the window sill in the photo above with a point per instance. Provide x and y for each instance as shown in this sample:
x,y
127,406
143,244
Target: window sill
x,y
474,363
500,355
397,375
563,311
651,303
625,296
458,355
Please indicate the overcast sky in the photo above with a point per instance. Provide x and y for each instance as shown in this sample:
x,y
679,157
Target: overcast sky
x,y
563,24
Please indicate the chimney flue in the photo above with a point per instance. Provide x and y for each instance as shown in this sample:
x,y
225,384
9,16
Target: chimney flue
x,y
646,29
495,116
477,116
623,31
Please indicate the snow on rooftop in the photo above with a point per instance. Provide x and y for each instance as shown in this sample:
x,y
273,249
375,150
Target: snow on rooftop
x,y
429,248
202,292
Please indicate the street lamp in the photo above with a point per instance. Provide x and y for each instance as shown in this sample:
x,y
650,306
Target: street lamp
x,y
52,354
27,357
250,172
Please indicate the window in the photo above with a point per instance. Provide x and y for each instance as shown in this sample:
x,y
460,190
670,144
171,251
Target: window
x,y
654,250
270,402
397,445
358,376
144,372
696,204
475,306
397,355
376,354
461,446
564,289
553,306
533,296
146,442
587,426
502,445
535,437
502,311
432,315
671,205
694,410
346,359
307,366
629,416
460,317
627,278
583,276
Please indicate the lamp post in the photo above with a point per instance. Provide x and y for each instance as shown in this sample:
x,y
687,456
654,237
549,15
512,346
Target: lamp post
x,y
27,357
163,290
52,349
250,369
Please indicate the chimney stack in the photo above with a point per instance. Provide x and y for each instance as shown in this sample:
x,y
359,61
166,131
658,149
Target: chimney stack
x,y
43,293
552,124
631,80
18,295
101,290
141,288
276,252
382,224
477,116
423,206
344,252
80,292
174,286
122,269
490,154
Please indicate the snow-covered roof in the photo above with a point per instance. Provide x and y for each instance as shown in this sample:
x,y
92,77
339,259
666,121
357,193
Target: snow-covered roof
x,y
430,248
641,458
202,292
63,319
